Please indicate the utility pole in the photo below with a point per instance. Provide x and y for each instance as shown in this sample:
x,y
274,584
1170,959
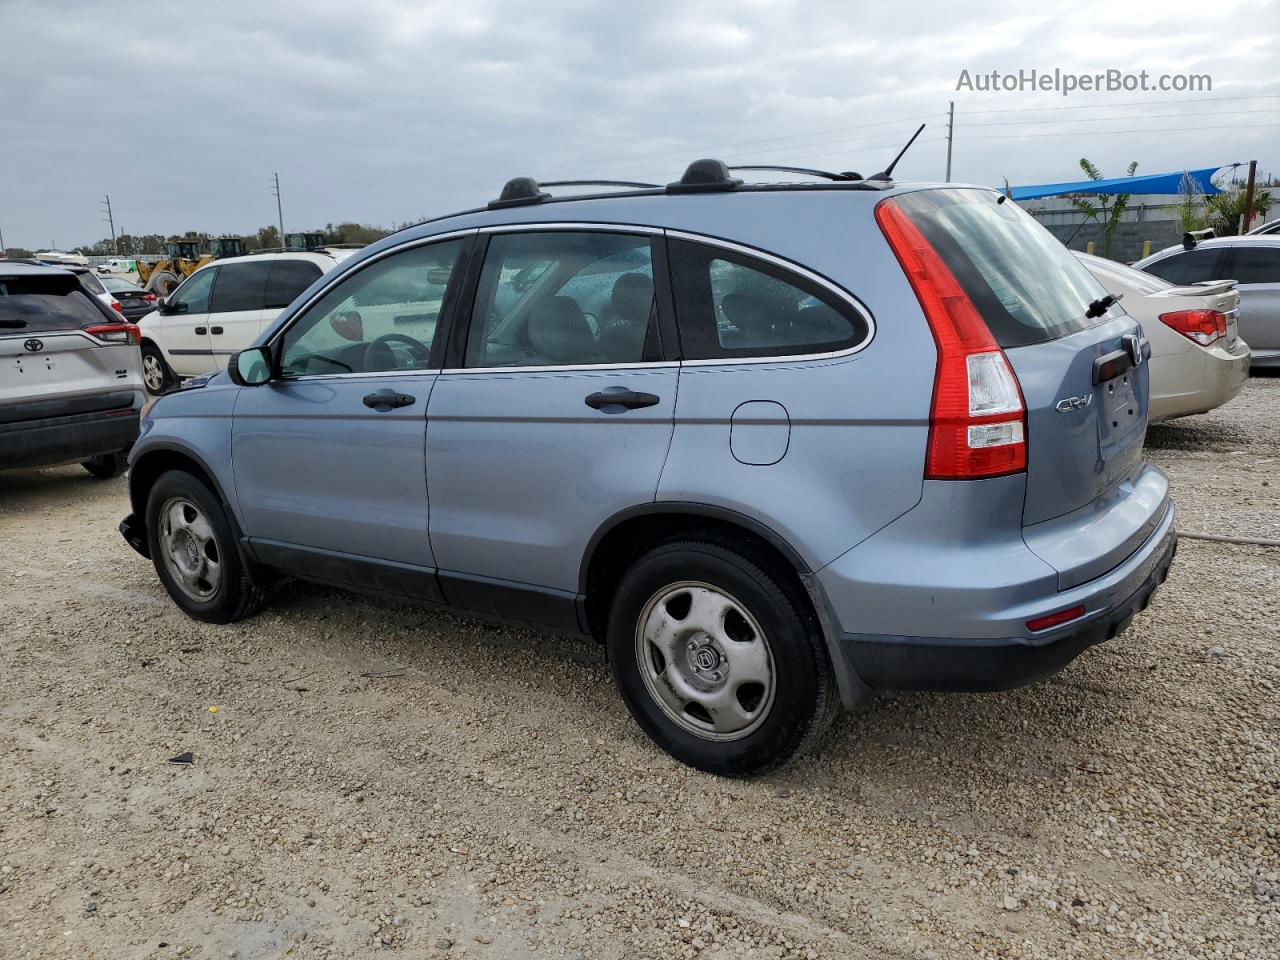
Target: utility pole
x,y
106,203
2,247
279,209
1248,198
951,128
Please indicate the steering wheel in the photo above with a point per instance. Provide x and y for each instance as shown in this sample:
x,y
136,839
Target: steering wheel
x,y
373,361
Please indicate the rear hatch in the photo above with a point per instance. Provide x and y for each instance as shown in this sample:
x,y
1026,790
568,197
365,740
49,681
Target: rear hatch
x,y
62,353
1083,377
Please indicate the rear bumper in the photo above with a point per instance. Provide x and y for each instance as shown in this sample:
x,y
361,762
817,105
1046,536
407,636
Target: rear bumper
x,y
940,599
1268,359
46,443
1197,381
915,663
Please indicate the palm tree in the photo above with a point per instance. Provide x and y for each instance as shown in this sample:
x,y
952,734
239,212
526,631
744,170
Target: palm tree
x,y
1108,210
1224,209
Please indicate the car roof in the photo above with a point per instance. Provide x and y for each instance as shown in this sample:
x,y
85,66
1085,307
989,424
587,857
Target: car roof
x,y
1248,240
14,268
322,260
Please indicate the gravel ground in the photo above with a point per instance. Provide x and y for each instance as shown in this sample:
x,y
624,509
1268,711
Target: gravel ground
x,y
375,777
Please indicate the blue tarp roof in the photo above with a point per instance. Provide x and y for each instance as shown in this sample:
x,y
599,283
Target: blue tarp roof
x,y
1165,183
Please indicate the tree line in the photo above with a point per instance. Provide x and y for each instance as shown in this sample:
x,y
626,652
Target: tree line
x,y
133,245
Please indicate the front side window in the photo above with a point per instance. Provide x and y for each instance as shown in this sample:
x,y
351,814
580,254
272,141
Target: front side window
x,y
194,292
240,287
557,299
1191,266
379,319
729,306
1257,265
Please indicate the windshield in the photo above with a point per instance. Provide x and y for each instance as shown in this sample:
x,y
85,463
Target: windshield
x,y
1028,287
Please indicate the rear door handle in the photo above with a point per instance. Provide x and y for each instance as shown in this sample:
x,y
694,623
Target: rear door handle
x,y
388,400
215,330
615,397
200,331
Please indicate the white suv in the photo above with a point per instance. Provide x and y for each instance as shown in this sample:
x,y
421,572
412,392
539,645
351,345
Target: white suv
x,y
220,309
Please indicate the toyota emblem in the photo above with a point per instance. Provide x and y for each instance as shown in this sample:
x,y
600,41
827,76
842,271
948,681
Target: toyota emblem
x,y
34,345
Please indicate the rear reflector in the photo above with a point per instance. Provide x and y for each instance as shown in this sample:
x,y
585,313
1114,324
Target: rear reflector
x,y
977,422
116,332
1056,619
1202,326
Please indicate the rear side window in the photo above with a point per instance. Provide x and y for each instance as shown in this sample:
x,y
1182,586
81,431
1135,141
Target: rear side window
x,y
1190,267
91,283
729,305
42,305
288,279
240,286
1027,286
1256,265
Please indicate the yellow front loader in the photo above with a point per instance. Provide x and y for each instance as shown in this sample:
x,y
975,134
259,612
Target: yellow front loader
x,y
184,258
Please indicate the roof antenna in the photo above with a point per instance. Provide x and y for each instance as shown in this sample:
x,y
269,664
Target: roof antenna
x,y
887,172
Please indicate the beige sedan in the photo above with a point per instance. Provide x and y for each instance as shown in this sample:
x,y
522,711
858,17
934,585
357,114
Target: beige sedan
x,y
1198,360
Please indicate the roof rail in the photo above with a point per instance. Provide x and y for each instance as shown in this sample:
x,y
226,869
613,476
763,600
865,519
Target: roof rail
x,y
600,183
806,171
705,176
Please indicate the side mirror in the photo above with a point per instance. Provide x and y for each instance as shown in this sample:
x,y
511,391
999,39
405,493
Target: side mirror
x,y
250,368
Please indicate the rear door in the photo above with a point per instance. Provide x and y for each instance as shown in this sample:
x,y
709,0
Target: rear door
x,y
556,416
1257,274
236,308
1083,379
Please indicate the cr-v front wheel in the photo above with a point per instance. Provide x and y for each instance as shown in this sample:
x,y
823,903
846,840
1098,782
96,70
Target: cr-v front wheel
x,y
716,661
194,549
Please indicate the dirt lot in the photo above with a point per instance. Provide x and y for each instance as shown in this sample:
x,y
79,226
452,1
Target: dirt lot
x,y
370,777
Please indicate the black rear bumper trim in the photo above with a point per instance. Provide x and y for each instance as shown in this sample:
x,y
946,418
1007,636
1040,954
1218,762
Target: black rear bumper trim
x,y
915,663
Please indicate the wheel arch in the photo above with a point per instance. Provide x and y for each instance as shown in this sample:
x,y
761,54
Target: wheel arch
x,y
627,534
157,459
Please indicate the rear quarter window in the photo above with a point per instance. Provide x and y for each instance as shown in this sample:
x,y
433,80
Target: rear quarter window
x,y
1027,286
1191,266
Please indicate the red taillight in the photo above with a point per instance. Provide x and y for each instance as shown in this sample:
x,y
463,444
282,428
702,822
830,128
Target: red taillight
x,y
1056,619
1202,326
116,332
150,297
977,423
115,305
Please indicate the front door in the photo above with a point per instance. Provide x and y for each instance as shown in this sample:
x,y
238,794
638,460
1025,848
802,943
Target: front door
x,y
182,329
556,416
329,455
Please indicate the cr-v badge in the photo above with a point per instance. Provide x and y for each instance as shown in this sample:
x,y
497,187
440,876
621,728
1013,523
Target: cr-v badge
x,y
1073,403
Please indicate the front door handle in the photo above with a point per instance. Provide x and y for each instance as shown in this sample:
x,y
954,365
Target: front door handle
x,y
615,397
215,330
388,400
200,331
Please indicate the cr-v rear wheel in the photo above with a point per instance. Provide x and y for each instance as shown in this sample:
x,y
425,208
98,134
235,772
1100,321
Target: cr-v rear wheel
x,y
717,661
194,550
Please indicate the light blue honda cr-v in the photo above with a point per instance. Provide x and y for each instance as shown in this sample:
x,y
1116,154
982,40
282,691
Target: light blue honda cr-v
x,y
777,446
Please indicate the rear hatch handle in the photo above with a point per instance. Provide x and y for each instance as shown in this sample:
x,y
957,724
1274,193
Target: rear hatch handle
x,y
1133,351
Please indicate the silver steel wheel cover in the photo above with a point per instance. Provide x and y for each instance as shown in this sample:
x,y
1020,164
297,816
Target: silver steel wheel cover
x,y
190,549
705,661
152,373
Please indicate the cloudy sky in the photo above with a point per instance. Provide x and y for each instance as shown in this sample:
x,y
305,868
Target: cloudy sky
x,y
383,111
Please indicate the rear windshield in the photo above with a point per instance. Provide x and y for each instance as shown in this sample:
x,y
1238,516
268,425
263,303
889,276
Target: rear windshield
x,y
43,304
1028,287
1119,275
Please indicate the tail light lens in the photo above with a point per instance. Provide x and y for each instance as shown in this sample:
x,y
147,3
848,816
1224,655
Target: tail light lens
x,y
978,420
150,297
1202,326
116,332
115,305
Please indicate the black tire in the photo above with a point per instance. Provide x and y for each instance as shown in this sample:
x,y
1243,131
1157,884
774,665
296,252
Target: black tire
x,y
235,595
108,466
804,699
156,375
163,282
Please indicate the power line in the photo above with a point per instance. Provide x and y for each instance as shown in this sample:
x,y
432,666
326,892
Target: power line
x,y
1110,133
1147,116
1131,103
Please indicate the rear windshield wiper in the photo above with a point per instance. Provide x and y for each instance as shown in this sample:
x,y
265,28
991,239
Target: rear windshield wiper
x,y
12,323
1102,305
